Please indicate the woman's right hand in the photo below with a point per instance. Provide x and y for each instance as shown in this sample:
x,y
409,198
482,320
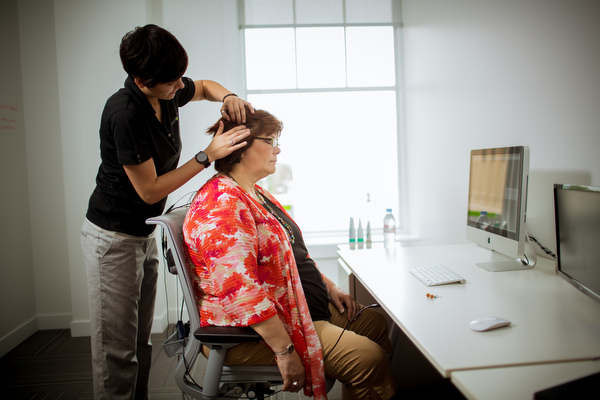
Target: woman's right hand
x,y
292,371
226,143
290,365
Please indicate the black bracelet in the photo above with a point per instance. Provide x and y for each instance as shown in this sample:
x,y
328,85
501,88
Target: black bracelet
x,y
227,95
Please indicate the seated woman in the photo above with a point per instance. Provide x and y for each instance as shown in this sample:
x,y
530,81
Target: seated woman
x,y
254,270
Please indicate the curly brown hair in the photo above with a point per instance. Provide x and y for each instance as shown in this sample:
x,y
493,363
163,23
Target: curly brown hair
x,y
260,123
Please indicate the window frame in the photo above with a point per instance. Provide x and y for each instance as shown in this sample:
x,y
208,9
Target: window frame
x,y
401,209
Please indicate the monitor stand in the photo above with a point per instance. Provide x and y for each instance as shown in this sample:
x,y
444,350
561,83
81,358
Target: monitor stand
x,y
507,264
499,266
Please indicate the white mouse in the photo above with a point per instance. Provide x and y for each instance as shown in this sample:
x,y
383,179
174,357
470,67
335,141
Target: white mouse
x,y
487,324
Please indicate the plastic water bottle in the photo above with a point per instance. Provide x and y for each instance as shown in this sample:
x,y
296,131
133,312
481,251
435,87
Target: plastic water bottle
x,y
389,229
483,222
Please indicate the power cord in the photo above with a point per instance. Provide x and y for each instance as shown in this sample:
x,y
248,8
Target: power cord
x,y
348,324
541,246
343,330
167,255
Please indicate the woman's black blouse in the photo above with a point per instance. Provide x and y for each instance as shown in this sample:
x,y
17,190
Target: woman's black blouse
x,y
315,289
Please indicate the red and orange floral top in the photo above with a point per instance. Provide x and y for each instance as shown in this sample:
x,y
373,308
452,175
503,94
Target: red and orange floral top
x,y
245,270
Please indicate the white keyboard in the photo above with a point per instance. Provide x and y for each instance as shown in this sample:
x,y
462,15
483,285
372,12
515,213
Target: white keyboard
x,y
434,275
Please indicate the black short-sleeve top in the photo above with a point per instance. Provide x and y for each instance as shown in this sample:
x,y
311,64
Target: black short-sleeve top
x,y
131,134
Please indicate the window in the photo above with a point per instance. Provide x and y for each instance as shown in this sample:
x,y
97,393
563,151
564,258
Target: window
x,y
327,69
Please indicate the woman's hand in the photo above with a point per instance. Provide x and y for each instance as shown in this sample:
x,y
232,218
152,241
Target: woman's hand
x,y
234,107
290,364
339,298
292,371
226,143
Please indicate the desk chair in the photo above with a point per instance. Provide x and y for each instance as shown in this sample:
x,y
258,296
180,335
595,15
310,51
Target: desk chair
x,y
219,379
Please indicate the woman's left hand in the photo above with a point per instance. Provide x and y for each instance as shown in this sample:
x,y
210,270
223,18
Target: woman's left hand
x,y
234,107
225,143
339,298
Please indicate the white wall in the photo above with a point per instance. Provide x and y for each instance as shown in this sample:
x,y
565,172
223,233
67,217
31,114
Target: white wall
x,y
17,302
485,73
89,71
479,73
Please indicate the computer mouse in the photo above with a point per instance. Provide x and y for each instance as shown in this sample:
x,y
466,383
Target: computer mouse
x,y
489,323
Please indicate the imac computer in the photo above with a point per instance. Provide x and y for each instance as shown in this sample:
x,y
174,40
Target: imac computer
x,y
577,222
497,207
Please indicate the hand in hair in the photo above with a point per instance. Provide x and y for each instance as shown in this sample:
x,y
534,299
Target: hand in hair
x,y
234,107
225,143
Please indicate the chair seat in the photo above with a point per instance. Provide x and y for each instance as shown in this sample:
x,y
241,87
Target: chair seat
x,y
226,334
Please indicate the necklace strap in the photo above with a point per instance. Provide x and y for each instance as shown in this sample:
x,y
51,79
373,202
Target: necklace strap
x,y
263,201
287,227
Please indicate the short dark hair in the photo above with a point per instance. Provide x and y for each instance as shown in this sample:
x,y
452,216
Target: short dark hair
x,y
260,123
153,55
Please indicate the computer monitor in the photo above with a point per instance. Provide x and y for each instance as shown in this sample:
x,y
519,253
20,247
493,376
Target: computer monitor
x,y
497,206
577,223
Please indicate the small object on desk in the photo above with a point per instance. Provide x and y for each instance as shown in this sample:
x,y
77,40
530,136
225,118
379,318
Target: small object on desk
x,y
359,236
435,275
489,323
432,296
352,235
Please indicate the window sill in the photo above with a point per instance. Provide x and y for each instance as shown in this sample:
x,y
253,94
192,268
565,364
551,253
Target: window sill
x,y
322,245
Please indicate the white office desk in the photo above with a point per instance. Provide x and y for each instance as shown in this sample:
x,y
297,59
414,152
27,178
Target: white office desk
x,y
551,320
519,383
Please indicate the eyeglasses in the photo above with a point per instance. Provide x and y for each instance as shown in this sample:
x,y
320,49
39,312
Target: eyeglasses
x,y
273,141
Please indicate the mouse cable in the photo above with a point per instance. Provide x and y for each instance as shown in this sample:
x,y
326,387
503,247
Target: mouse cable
x,y
347,324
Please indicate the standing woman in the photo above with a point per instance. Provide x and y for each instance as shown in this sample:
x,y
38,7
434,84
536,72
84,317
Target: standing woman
x,y
140,147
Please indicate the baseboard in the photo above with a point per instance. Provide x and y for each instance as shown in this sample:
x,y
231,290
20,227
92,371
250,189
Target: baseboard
x,y
160,323
80,328
28,328
54,321
18,335
64,321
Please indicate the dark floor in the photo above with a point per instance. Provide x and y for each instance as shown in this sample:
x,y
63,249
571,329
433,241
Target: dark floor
x,y
53,365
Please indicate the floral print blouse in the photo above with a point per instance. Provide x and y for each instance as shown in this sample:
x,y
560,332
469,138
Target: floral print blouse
x,y
245,271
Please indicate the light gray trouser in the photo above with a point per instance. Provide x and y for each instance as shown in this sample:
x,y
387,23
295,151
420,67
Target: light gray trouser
x,y
122,272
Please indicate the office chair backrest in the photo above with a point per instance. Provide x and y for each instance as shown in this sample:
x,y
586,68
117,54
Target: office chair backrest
x,y
172,224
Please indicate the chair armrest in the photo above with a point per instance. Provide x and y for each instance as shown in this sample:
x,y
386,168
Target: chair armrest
x,y
226,334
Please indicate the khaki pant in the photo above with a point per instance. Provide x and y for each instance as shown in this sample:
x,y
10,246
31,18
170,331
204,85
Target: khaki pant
x,y
359,359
